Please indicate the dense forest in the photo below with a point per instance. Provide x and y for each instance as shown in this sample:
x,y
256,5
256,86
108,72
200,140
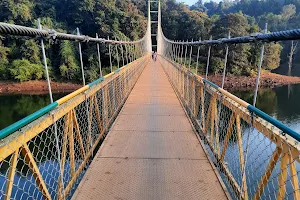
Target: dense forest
x,y
20,59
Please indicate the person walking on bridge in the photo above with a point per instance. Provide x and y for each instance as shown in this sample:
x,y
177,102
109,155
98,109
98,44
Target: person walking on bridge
x,y
154,56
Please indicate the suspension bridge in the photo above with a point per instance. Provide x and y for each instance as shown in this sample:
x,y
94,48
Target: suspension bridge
x,y
149,130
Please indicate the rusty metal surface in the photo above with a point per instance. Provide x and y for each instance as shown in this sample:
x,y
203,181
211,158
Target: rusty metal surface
x,y
152,123
154,93
153,179
151,151
154,109
142,144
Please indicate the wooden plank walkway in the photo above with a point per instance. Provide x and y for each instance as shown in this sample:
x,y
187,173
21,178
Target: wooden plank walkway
x,y
151,151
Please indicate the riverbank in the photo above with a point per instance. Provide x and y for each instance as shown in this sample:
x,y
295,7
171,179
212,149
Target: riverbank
x,y
243,83
232,83
36,87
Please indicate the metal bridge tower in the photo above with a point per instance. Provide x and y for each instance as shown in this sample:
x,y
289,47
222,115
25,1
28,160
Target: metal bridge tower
x,y
153,17
160,41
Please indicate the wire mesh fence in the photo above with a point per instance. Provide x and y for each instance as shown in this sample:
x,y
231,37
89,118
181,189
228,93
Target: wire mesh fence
x,y
47,158
255,159
45,155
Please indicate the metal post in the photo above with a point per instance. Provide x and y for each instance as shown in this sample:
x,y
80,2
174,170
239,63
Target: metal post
x,y
208,59
83,79
122,51
173,51
109,51
45,63
140,47
126,52
134,52
186,47
140,50
118,61
262,50
178,56
191,56
225,62
129,53
51,100
170,51
99,57
111,70
176,51
80,56
181,54
167,51
138,53
198,53
117,53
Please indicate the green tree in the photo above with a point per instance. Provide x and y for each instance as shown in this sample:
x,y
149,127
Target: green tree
x,y
237,25
23,70
177,17
126,19
288,11
69,66
31,51
272,56
19,12
3,61
199,6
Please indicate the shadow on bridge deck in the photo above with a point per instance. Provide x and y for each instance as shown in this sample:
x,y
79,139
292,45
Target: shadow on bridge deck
x,y
151,151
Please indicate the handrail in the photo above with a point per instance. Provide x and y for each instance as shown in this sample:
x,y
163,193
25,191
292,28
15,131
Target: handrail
x,y
30,118
293,34
251,108
258,112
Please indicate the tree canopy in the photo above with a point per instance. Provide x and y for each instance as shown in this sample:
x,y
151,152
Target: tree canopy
x,y
20,59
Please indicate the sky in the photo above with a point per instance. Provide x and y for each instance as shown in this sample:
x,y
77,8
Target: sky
x,y
191,2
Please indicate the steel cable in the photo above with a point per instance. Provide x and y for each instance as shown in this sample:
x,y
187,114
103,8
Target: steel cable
x,y
17,30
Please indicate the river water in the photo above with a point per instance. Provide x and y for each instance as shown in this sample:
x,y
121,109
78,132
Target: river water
x,y
16,107
281,103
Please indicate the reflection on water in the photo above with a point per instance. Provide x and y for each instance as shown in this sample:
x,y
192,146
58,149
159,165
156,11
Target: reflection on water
x,y
16,107
284,69
12,109
281,103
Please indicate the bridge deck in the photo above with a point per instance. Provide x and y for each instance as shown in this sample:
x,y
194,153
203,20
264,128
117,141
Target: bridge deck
x,y
151,152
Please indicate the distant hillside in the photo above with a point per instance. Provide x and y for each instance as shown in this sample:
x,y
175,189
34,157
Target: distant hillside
x,y
127,19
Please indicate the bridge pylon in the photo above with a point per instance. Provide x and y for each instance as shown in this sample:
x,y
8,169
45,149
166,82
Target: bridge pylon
x,y
154,19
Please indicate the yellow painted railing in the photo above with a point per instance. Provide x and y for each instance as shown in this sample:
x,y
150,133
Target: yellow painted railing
x,y
256,159
47,157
